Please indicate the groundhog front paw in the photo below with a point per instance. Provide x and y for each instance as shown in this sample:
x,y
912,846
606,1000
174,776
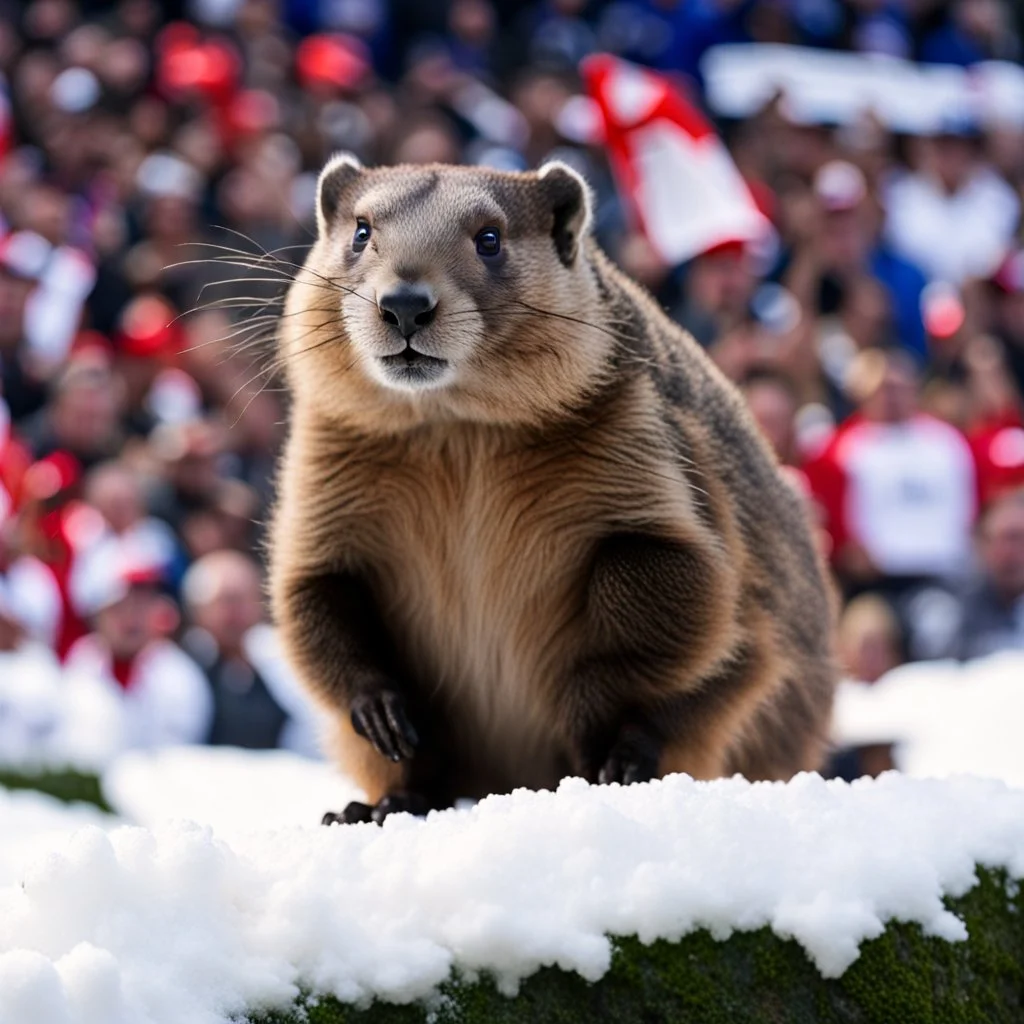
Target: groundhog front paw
x,y
380,718
633,758
398,803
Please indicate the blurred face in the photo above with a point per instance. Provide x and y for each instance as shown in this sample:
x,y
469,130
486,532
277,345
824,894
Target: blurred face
x,y
1009,313
47,211
171,219
14,293
1002,548
872,655
844,239
235,607
86,414
10,634
126,626
866,312
428,144
721,282
953,160
773,409
115,495
895,400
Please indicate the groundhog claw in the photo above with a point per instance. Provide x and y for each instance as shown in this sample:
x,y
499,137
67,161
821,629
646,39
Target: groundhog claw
x,y
354,813
633,758
381,719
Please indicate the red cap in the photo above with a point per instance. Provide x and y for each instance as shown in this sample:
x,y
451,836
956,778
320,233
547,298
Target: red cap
x,y
149,328
91,341
942,310
46,478
335,60
188,64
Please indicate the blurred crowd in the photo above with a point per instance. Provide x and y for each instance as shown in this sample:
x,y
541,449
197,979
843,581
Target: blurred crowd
x,y
157,172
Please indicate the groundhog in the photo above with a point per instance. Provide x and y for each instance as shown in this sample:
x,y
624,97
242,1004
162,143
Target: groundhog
x,y
525,528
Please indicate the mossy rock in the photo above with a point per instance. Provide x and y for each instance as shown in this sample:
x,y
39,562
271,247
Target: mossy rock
x,y
70,786
902,977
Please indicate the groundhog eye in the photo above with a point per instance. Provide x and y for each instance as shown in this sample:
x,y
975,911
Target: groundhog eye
x,y
488,242
361,237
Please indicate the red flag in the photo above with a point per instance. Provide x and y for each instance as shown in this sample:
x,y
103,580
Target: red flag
x,y
670,165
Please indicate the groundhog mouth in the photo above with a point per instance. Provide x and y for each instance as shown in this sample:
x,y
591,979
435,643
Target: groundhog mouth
x,y
412,368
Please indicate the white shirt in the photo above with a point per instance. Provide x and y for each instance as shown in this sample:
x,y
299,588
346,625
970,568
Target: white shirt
x,y
910,495
167,700
952,237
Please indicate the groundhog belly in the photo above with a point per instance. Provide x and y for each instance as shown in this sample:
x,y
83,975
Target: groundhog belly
x,y
477,597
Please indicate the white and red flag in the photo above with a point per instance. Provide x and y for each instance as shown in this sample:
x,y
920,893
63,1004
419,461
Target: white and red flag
x,y
669,163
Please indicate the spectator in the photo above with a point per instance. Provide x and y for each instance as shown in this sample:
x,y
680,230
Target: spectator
x,y
843,249
993,607
897,485
115,491
1007,312
717,289
153,691
773,402
898,491
22,380
952,214
30,591
870,643
257,702
83,417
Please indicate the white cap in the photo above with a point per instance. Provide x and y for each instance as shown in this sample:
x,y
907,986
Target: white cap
x,y
25,254
164,174
104,574
840,185
75,90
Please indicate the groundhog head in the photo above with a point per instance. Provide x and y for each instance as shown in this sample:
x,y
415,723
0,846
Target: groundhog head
x,y
442,292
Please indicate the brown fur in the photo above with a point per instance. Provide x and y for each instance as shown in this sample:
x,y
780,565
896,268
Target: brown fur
x,y
575,539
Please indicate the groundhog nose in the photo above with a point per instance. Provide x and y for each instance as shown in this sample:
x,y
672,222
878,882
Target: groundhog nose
x,y
408,307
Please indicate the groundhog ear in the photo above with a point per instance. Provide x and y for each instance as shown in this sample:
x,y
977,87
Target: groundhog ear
x,y
569,198
341,170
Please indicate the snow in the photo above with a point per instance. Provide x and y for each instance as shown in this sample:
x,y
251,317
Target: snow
x,y
229,789
225,895
180,924
944,717
32,824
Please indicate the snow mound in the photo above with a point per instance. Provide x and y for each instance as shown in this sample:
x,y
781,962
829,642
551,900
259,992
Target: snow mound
x,y
32,824
234,791
176,926
945,717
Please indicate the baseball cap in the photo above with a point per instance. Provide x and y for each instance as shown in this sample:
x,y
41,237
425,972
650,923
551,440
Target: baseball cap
x,y
840,185
106,574
149,327
332,59
25,255
942,310
46,478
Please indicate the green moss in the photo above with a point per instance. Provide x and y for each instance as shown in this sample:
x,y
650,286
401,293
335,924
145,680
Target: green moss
x,y
64,785
902,977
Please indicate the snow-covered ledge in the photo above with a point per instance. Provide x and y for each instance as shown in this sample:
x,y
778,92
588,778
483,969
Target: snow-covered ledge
x,y
180,924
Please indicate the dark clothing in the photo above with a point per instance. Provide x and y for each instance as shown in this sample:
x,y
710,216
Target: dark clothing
x,y
904,282
38,434
23,394
245,713
988,624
